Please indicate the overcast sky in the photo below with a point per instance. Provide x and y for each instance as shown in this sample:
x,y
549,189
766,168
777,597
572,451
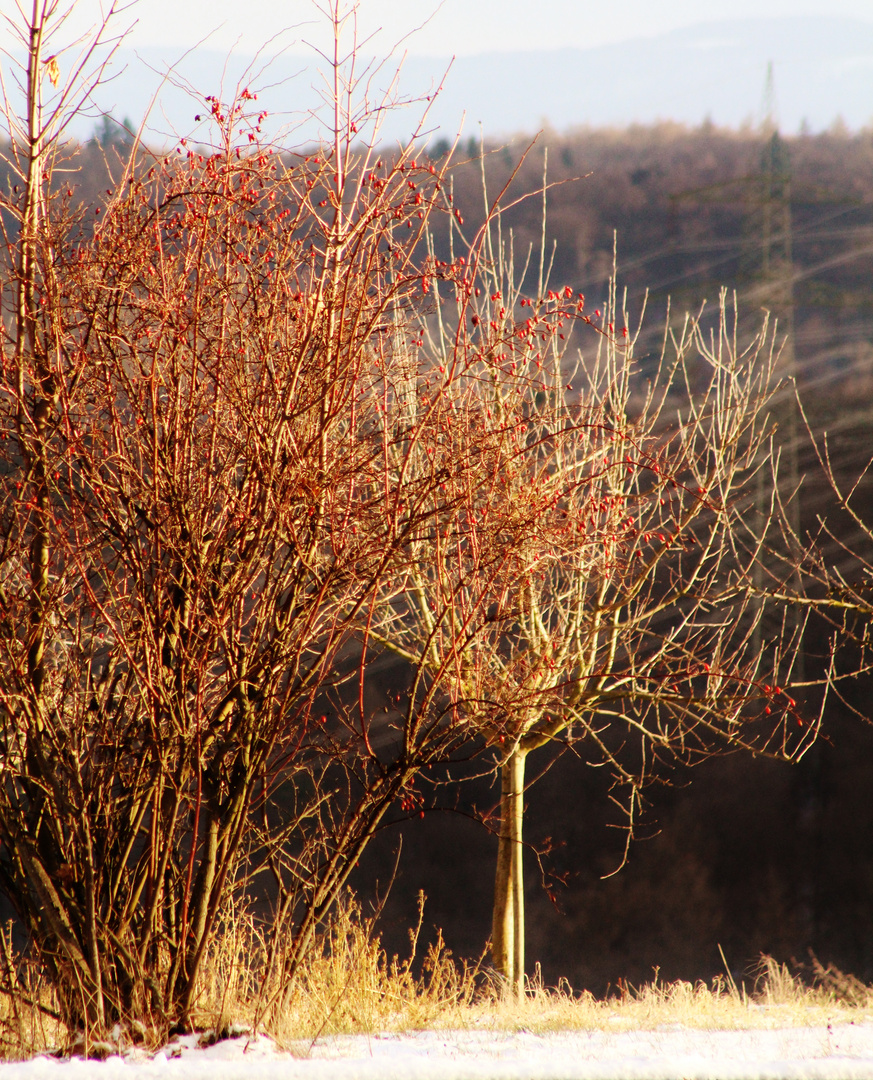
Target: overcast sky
x,y
456,27
821,71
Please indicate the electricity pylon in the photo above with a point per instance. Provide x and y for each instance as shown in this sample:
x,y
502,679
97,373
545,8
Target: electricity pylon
x,y
768,267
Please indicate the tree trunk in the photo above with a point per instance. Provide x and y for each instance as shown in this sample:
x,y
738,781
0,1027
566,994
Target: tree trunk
x,y
507,935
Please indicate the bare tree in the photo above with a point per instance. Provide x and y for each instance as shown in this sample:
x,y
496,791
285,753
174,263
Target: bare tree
x,y
621,623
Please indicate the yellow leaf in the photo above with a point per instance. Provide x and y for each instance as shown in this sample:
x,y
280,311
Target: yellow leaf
x,y
52,70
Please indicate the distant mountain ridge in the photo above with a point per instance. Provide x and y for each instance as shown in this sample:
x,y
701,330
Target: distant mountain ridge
x,y
823,71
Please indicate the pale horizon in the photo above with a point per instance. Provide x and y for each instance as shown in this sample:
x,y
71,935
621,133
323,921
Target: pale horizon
x,y
677,61
429,28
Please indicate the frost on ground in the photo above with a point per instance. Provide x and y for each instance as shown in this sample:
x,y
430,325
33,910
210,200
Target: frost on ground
x,y
831,1052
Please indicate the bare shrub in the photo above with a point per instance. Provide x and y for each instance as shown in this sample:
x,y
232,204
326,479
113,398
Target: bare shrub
x,y
222,448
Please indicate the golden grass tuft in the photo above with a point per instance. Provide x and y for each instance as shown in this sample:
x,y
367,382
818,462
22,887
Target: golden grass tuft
x,y
29,1021
349,985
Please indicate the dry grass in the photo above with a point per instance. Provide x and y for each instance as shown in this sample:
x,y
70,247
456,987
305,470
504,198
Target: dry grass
x,y
28,1018
776,998
350,986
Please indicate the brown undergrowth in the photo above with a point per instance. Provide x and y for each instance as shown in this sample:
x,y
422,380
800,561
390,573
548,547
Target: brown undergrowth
x,y
351,986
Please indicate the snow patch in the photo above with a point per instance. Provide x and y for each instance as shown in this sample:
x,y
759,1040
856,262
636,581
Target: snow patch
x,y
833,1052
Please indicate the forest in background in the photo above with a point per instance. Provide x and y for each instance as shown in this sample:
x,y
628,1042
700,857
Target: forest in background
x,y
752,855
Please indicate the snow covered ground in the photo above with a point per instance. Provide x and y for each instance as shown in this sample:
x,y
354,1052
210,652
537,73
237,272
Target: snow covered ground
x,y
832,1052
